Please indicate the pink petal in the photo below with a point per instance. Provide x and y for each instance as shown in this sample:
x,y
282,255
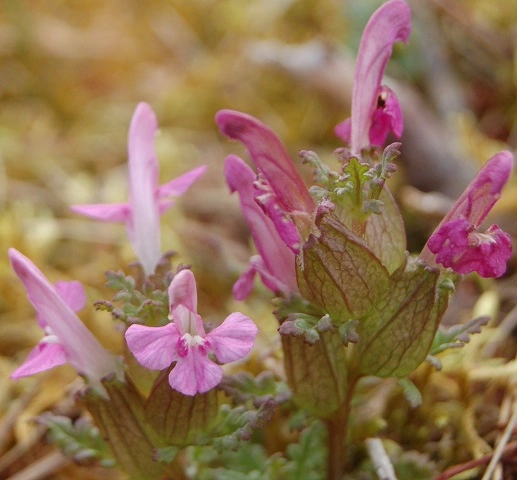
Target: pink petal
x,y
389,24
457,246
180,185
183,291
144,227
270,157
243,287
153,347
164,205
283,223
43,357
105,212
274,284
233,339
84,352
386,118
477,200
343,130
482,193
277,258
72,293
195,373
187,321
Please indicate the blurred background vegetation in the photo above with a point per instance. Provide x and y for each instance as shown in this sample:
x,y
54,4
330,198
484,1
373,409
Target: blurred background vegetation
x,y
71,74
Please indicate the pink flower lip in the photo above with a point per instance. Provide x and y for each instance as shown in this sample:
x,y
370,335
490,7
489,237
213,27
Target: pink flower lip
x,y
67,339
185,342
270,158
457,242
276,261
375,108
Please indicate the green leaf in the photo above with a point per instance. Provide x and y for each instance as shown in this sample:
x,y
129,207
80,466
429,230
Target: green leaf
x,y
237,425
457,335
316,373
385,233
397,334
338,272
412,394
308,456
348,332
352,197
166,454
79,440
176,417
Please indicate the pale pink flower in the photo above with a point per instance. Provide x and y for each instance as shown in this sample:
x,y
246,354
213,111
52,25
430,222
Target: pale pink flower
x,y
147,200
67,340
275,262
375,108
185,342
457,242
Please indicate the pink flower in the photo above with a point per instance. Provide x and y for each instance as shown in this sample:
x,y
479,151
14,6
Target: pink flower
x,y
456,241
147,200
66,340
375,108
283,194
276,262
185,342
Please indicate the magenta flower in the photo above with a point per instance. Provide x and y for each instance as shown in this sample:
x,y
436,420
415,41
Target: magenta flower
x,y
276,262
457,242
375,108
147,200
66,340
185,342
283,194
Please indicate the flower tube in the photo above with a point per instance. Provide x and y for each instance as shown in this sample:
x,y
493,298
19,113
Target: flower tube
x,y
147,200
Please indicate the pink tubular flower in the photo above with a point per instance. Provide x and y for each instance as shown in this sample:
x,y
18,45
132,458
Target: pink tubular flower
x,y
284,194
185,342
276,262
375,108
457,242
147,200
66,340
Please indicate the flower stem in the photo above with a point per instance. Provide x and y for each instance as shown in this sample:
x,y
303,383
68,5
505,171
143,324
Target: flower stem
x,y
337,428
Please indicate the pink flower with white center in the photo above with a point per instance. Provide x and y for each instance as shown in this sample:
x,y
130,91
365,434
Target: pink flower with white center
x,y
147,200
375,108
67,340
283,196
456,241
185,342
276,262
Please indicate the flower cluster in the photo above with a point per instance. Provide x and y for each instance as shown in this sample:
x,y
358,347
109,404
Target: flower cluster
x,y
183,342
333,254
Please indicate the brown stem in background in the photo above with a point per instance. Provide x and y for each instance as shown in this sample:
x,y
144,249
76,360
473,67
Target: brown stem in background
x,y
509,452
